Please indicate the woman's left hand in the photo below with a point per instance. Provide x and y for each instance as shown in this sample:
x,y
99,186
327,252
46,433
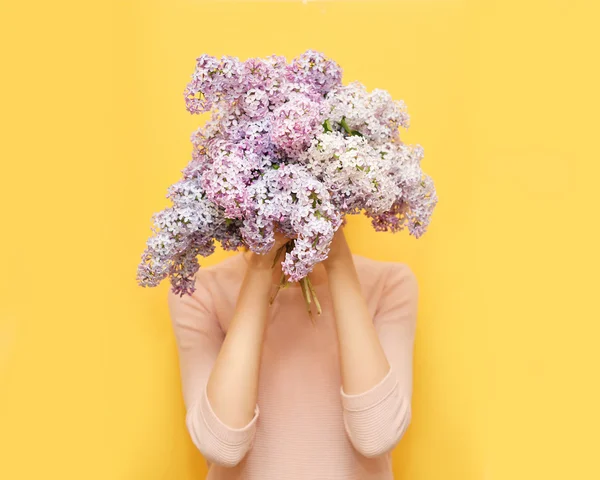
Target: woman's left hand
x,y
339,251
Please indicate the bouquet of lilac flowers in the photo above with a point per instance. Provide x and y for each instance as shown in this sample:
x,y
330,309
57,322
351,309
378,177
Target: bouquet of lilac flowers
x,y
287,147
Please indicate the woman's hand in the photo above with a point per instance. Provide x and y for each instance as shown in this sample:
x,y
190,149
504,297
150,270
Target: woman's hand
x,y
268,259
339,251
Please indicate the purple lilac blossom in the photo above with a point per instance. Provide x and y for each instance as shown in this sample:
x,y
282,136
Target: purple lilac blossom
x,y
287,147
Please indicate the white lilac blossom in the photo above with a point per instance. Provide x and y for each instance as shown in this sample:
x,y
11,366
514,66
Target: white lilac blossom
x,y
287,147
290,197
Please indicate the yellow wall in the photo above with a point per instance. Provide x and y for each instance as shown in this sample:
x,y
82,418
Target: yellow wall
x,y
503,97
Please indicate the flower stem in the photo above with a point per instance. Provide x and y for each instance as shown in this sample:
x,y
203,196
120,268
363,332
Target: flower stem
x,y
308,291
314,295
282,284
306,295
278,254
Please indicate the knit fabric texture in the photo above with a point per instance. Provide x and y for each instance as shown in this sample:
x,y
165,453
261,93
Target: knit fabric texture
x,y
305,427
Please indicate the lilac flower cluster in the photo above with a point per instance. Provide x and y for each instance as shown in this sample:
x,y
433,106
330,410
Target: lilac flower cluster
x,y
287,147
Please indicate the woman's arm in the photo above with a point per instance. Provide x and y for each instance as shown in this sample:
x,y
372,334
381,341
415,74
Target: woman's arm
x,y
375,352
363,361
233,384
220,372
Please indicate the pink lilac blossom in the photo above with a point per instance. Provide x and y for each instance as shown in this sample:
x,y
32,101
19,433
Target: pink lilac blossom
x,y
287,147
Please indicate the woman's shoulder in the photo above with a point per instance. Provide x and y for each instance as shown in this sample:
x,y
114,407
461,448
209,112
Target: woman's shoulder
x,y
229,263
212,283
380,278
381,269
225,271
388,282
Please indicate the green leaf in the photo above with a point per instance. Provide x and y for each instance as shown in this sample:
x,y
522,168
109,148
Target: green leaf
x,y
345,125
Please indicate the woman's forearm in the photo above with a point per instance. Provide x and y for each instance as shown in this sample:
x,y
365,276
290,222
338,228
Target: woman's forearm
x,y
232,387
362,358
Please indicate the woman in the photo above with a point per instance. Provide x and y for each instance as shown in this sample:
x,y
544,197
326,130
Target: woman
x,y
334,396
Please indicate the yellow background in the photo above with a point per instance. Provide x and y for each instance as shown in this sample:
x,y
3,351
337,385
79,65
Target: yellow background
x,y
503,98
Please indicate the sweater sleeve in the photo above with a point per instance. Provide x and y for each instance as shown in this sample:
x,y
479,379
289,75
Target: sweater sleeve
x,y
376,419
199,337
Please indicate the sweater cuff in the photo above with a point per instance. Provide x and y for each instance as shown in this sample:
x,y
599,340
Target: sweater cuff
x,y
225,433
373,396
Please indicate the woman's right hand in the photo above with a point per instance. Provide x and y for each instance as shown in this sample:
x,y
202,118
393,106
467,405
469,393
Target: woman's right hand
x,y
269,259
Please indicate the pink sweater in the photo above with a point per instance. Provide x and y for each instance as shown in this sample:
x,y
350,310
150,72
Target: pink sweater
x,y
307,427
